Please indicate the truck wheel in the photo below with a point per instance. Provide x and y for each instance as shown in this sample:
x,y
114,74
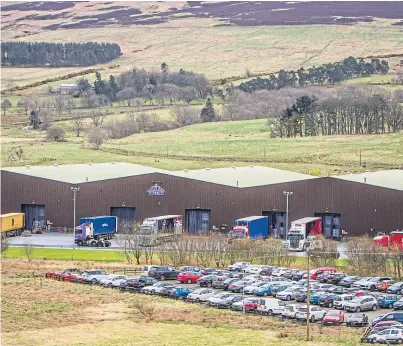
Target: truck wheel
x,y
80,243
107,243
100,243
93,243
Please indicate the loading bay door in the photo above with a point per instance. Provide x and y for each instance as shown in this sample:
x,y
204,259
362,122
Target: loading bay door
x,y
126,218
33,213
330,225
197,221
277,221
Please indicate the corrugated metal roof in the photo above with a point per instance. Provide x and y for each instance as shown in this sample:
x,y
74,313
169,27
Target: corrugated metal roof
x,y
233,176
391,179
244,176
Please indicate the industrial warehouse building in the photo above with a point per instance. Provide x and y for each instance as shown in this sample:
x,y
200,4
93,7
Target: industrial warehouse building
x,y
358,203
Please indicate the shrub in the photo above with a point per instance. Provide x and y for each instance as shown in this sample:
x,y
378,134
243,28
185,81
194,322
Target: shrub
x,y
56,133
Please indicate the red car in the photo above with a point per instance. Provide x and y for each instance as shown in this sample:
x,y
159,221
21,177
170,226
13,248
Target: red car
x,y
251,304
333,317
67,275
384,285
189,277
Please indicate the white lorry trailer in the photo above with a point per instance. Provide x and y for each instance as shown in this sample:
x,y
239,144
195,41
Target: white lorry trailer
x,y
302,230
160,229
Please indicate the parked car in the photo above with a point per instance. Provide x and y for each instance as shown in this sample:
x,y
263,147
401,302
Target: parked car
x,y
270,306
267,270
392,335
250,289
333,317
385,325
315,313
227,303
163,272
392,316
208,271
387,300
228,282
266,290
372,283
335,278
167,290
188,277
219,272
280,287
136,284
180,292
396,288
288,293
112,280
200,295
279,272
317,271
384,285
189,269
322,278
238,286
238,266
254,269
155,288
363,303
93,276
66,275
302,295
289,273
338,290
398,305
357,320
315,297
220,298
298,275
348,281
358,283
289,311
219,282
341,300
251,304
146,269
207,280
327,300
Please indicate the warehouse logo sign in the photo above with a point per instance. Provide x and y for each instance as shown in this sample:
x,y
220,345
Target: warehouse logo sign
x,y
156,190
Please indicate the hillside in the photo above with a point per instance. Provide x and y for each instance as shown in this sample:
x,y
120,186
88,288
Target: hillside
x,y
217,145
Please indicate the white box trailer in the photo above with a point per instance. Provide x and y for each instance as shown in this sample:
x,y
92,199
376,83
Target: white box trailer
x,y
302,229
159,229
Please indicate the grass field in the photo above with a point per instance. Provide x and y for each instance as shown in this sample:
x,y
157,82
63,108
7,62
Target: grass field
x,y
47,312
224,51
219,145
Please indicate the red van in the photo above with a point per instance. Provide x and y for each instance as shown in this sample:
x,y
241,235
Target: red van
x,y
315,272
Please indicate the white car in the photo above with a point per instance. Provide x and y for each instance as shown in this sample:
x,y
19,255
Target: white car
x,y
362,303
94,276
392,335
201,295
289,311
358,283
156,288
251,288
279,272
372,283
270,306
254,269
342,299
288,293
219,298
112,280
316,313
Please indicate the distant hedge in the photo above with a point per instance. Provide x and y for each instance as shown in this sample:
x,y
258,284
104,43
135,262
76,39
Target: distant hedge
x,y
34,54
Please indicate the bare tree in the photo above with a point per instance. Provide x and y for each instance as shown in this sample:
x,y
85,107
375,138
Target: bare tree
x,y
4,243
97,116
24,102
189,94
162,253
70,104
127,95
78,124
56,133
96,137
202,251
59,104
324,255
145,307
46,118
5,104
185,115
28,251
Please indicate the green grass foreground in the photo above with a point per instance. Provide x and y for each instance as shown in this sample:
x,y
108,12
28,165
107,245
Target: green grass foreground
x,y
102,255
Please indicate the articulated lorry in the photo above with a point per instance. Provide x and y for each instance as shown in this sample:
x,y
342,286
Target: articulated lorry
x,y
160,229
96,231
252,227
303,230
12,224
393,240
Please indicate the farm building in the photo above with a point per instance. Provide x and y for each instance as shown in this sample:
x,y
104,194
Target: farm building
x,y
359,203
66,89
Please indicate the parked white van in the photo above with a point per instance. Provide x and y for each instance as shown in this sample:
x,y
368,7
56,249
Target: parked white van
x,y
270,306
146,269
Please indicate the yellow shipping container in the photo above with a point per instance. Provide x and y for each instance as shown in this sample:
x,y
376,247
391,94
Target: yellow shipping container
x,y
12,222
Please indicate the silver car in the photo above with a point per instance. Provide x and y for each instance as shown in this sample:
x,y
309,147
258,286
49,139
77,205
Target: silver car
x,y
392,335
361,304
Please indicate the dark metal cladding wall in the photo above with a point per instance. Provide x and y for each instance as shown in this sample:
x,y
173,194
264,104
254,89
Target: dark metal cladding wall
x,y
362,206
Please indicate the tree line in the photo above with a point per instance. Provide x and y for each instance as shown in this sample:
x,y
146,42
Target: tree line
x,y
331,73
32,54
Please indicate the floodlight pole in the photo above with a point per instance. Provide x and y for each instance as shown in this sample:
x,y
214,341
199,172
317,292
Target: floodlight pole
x,y
308,294
75,190
287,194
243,294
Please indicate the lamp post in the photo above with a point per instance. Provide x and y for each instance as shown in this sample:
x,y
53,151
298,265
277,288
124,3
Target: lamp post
x,y
243,294
287,194
75,190
308,293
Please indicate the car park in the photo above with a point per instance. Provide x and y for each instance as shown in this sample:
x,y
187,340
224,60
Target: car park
x,y
333,317
289,311
163,272
340,300
363,303
392,335
348,281
200,295
396,288
188,277
387,300
315,313
357,320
